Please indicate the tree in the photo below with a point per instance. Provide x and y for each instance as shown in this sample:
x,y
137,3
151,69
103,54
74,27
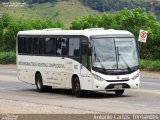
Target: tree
x,y
132,20
9,28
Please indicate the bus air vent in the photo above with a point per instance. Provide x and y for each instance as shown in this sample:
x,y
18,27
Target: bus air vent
x,y
50,29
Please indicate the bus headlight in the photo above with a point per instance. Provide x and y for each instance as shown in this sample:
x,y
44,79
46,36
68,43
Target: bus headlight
x,y
135,76
98,78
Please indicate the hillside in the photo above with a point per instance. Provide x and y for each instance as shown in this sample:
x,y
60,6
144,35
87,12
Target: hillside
x,y
65,11
116,5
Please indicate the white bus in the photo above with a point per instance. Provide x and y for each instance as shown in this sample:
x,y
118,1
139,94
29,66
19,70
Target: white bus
x,y
90,59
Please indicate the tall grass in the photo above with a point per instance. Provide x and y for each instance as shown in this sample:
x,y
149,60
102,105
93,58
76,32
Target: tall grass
x,y
150,65
7,57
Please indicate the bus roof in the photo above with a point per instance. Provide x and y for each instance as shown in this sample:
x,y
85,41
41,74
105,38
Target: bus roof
x,y
86,32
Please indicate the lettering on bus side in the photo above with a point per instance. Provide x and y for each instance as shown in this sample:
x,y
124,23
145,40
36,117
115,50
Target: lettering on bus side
x,y
35,64
75,66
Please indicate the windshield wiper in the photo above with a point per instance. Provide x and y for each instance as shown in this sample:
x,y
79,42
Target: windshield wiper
x,y
100,62
103,67
124,61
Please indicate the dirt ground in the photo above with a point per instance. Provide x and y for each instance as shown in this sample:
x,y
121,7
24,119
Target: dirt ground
x,y
150,73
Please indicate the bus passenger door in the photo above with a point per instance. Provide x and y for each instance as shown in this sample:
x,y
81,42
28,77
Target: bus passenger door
x,y
85,65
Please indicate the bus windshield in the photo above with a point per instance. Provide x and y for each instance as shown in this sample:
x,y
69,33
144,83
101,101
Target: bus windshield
x,y
114,53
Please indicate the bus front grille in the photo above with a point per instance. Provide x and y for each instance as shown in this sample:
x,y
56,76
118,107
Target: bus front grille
x,y
117,80
124,85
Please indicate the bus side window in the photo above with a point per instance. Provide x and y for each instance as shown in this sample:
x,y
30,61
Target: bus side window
x,y
35,45
49,46
74,47
58,46
84,53
64,46
41,46
61,46
25,49
20,45
27,45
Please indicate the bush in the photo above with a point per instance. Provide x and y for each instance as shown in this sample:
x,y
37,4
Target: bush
x,y
7,57
150,65
9,27
132,20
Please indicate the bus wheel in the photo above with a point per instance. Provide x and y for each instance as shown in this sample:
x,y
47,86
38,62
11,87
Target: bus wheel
x,y
40,86
76,88
119,92
39,83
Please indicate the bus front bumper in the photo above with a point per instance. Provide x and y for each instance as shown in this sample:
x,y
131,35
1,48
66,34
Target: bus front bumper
x,y
105,85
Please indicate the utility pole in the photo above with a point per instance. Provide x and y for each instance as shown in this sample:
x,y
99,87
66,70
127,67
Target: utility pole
x,y
152,5
152,2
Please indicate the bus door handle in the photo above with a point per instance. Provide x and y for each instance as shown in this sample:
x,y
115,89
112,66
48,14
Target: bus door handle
x,y
62,57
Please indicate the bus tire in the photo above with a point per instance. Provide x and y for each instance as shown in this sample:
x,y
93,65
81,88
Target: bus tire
x,y
119,92
39,84
76,88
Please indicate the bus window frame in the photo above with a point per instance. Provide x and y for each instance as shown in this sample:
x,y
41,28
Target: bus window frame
x,y
56,36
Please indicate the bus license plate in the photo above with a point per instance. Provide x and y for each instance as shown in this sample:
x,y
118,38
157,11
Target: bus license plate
x,y
117,86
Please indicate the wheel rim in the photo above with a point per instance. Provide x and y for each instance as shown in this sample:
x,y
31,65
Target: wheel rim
x,y
38,84
76,87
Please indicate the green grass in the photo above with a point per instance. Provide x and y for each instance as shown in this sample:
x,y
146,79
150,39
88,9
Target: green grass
x,y
7,57
150,65
65,11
